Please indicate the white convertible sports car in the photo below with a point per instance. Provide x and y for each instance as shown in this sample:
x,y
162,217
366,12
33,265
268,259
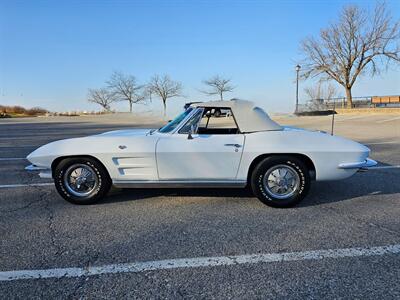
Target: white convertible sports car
x,y
198,149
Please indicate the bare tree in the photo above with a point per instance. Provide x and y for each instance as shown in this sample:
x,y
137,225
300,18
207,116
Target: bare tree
x,y
125,88
318,93
164,87
102,96
358,43
218,86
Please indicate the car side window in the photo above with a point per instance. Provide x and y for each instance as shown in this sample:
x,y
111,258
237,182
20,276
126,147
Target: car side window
x,y
218,121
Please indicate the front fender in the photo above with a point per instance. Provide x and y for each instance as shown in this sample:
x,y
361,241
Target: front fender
x,y
124,157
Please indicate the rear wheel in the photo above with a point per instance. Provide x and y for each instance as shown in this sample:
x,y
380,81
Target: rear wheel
x,y
280,181
81,180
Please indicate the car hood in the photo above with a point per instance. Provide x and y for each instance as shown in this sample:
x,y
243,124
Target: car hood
x,y
93,145
127,132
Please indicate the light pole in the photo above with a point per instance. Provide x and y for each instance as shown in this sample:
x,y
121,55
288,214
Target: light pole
x,y
298,67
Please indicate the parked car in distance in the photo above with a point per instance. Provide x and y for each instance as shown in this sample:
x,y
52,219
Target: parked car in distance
x,y
197,149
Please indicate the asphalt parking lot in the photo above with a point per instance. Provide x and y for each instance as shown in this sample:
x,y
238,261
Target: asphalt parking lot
x,y
229,244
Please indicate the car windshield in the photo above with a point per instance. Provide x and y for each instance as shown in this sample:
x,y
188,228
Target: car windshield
x,y
175,122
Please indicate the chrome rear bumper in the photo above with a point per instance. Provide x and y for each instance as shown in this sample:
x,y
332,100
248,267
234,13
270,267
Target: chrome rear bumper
x,y
359,165
43,172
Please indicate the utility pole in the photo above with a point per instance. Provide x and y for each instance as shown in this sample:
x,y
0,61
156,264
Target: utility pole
x,y
298,67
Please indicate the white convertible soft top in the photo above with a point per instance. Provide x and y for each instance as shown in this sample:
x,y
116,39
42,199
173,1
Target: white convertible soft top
x,y
249,117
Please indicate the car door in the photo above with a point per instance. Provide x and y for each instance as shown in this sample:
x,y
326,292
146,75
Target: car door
x,y
200,156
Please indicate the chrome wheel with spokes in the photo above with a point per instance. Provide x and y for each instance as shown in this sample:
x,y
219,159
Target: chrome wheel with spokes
x,y
281,181
80,180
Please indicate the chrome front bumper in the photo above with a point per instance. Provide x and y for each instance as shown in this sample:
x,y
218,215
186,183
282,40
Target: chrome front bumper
x,y
43,172
359,165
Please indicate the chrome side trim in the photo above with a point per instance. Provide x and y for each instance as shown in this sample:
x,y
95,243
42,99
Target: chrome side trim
x,y
358,165
179,183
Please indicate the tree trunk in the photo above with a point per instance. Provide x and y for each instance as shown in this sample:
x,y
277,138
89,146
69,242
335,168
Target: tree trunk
x,y
222,98
349,98
130,106
165,106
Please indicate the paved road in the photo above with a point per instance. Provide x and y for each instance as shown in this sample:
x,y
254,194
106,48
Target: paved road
x,y
39,230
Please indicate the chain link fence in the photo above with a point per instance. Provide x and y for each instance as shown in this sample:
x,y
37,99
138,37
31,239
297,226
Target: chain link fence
x,y
315,105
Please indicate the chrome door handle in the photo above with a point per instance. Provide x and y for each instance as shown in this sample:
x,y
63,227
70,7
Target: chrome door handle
x,y
234,145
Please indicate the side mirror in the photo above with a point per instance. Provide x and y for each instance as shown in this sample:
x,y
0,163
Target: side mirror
x,y
191,131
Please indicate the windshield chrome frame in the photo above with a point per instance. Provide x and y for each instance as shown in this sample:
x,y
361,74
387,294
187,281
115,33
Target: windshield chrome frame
x,y
188,117
182,123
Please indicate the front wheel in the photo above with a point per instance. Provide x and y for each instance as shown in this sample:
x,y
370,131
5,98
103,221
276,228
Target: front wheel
x,y
81,180
280,181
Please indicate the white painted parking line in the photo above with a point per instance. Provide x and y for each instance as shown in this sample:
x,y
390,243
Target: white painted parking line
x,y
11,158
388,120
7,186
382,143
384,167
351,118
198,262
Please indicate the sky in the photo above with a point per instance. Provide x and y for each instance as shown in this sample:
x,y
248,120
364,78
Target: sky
x,y
51,52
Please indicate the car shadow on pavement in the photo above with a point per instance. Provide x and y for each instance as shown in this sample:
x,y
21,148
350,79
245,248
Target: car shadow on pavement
x,y
121,195
373,182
